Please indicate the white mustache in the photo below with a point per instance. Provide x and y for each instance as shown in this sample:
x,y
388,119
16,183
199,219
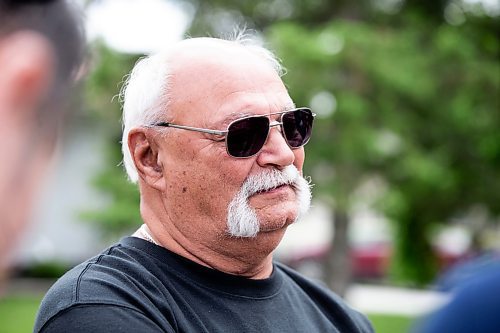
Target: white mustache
x,y
242,221
271,179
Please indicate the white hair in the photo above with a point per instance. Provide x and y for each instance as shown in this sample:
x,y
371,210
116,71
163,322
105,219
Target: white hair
x,y
145,93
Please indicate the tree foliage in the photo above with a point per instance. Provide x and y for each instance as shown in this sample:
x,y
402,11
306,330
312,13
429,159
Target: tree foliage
x,y
416,109
108,71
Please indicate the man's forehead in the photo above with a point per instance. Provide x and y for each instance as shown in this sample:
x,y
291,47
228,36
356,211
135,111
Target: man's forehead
x,y
251,111
205,56
217,81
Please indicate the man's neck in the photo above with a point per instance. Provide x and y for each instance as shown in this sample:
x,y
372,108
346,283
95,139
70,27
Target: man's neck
x,y
212,247
236,264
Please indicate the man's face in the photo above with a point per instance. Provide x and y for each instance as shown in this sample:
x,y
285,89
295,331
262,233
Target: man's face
x,y
201,179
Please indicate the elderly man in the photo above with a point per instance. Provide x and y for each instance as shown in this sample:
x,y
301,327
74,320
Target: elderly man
x,y
41,49
216,145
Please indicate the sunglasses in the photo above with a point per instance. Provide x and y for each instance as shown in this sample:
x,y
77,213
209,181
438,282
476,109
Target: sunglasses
x,y
246,136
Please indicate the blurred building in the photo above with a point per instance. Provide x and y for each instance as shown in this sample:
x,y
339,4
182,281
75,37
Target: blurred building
x,y
56,232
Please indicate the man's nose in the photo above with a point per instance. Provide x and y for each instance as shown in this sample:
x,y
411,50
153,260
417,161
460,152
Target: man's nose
x,y
275,151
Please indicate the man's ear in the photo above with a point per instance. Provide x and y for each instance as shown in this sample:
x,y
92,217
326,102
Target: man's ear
x,y
144,152
26,72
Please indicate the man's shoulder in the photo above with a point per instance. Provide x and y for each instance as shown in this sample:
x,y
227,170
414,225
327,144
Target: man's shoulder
x,y
72,285
102,280
331,304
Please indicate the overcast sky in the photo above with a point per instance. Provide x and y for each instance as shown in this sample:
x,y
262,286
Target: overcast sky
x,y
145,26
138,26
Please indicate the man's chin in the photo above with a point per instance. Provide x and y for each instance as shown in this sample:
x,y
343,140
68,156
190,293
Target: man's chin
x,y
271,223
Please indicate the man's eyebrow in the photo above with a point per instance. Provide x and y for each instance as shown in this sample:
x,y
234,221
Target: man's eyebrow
x,y
232,117
238,115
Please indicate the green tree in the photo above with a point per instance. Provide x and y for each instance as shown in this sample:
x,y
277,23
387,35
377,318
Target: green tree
x,y
108,72
417,110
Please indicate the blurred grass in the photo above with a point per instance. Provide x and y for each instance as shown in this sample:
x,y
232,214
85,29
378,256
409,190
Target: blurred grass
x,y
17,315
391,323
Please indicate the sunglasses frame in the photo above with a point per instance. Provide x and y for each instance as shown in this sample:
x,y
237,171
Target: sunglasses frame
x,y
224,133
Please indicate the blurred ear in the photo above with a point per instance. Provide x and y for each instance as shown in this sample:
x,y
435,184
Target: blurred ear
x,y
26,73
144,151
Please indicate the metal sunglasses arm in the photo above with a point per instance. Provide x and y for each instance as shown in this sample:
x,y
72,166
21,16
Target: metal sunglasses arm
x,y
195,129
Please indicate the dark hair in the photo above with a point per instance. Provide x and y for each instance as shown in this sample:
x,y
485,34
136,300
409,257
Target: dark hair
x,y
61,24
20,3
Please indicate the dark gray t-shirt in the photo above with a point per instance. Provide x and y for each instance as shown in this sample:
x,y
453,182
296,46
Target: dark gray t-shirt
x,y
136,286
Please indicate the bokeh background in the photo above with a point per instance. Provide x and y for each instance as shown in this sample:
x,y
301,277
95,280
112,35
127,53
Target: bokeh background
x,y
405,154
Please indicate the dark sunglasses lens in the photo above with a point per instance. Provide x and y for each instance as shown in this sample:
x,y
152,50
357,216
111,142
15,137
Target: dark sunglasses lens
x,y
297,126
246,137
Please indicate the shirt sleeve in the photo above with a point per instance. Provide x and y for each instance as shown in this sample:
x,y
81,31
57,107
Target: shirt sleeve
x,y
102,319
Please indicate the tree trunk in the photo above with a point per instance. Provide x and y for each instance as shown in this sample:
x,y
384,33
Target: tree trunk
x,y
338,262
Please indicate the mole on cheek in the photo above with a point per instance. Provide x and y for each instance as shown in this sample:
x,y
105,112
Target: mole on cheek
x,y
184,190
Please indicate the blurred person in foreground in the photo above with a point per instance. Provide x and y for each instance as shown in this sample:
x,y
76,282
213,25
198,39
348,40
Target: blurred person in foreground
x,y
216,145
472,308
41,48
